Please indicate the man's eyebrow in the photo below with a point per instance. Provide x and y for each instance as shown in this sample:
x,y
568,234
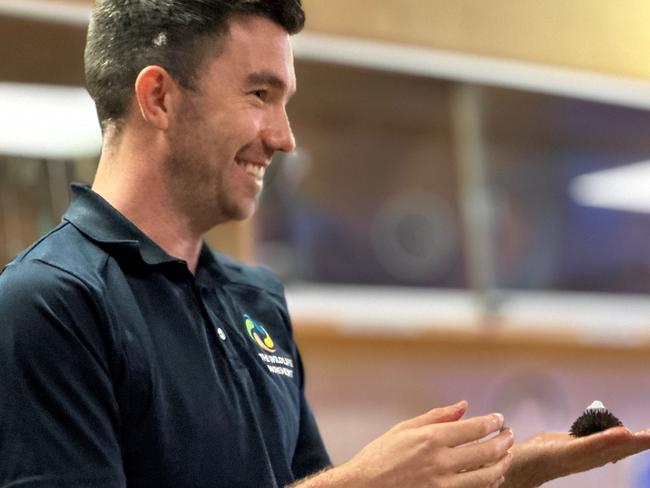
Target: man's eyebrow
x,y
266,78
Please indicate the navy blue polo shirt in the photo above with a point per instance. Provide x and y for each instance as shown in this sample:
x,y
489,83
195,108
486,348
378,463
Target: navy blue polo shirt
x,y
118,367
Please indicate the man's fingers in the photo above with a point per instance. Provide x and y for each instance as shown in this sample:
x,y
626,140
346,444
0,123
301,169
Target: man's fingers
x,y
479,454
645,434
465,431
492,475
613,437
584,453
448,413
618,441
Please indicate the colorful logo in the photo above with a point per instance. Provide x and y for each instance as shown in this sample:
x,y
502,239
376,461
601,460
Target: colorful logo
x,y
259,334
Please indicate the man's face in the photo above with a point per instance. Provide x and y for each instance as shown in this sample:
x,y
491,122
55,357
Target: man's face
x,y
227,131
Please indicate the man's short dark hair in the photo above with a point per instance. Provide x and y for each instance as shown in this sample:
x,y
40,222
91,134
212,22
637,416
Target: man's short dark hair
x,y
125,36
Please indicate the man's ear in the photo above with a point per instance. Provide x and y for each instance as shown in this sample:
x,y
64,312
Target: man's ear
x,y
156,93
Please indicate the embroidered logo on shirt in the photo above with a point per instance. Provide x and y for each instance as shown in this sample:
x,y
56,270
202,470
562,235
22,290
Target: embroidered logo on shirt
x,y
259,334
275,363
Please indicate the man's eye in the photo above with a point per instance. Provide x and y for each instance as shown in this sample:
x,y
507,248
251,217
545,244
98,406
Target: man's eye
x,y
261,94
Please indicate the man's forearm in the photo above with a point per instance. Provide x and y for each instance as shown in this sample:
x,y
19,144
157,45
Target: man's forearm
x,y
340,476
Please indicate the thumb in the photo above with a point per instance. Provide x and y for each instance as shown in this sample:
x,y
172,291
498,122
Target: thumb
x,y
449,413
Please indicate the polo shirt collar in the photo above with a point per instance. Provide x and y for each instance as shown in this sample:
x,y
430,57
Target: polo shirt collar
x,y
104,224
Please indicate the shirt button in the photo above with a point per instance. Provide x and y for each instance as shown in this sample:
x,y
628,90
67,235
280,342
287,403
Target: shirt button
x,y
221,333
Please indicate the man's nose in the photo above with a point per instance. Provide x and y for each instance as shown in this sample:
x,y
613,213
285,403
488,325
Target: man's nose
x,y
278,135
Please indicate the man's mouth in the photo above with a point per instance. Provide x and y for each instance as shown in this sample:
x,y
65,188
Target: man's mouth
x,y
254,169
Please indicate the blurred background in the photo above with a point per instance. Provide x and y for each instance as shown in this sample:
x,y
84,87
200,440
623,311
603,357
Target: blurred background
x,y
467,215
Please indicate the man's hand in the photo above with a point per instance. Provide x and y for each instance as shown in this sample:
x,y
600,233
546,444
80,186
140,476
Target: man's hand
x,y
553,455
433,450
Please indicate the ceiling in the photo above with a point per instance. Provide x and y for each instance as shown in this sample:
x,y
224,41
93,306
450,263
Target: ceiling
x,y
42,40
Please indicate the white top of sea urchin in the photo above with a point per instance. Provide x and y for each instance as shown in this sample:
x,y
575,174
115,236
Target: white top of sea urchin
x,y
596,405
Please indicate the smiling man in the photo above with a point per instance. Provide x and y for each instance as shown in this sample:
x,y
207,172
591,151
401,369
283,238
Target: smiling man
x,y
133,355
194,156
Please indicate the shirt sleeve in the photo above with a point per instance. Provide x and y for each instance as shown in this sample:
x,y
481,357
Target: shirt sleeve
x,y
59,419
311,455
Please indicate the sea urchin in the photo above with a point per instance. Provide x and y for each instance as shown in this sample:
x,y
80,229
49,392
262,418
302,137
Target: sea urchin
x,y
595,418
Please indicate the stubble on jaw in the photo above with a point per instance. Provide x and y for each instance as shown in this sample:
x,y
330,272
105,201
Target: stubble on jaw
x,y
191,185
194,176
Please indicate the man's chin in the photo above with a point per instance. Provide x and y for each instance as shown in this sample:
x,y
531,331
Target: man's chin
x,y
243,212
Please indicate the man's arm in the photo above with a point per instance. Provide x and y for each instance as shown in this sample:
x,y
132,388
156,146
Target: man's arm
x,y
552,455
432,450
58,413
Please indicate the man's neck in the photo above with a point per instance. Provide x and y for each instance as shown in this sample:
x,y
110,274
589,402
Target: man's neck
x,y
148,206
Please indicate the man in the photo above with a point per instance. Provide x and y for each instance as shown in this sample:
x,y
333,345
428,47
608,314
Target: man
x,y
132,355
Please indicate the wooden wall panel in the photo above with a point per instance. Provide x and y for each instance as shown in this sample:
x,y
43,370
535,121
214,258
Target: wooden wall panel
x,y
595,35
39,52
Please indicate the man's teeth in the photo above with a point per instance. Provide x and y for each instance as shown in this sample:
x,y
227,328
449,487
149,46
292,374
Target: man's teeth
x,y
254,170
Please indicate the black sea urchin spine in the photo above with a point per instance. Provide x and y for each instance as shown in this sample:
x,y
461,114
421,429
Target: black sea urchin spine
x,y
594,420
